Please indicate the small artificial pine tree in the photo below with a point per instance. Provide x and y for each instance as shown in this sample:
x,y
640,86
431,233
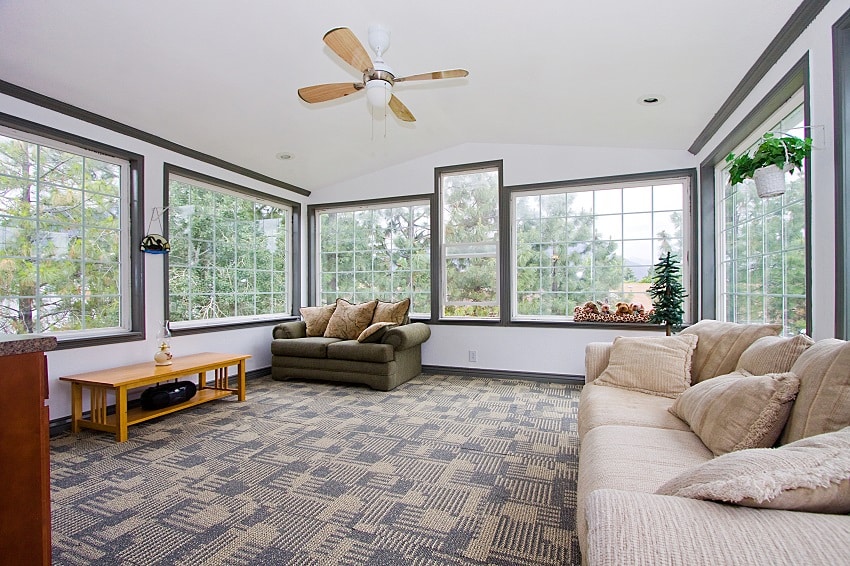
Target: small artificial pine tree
x,y
667,294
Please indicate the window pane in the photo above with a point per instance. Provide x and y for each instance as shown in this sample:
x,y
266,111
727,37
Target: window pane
x,y
763,247
605,257
470,206
63,234
228,253
379,252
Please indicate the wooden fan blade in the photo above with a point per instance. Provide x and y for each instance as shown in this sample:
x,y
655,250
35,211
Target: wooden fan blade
x,y
400,110
344,43
453,74
321,93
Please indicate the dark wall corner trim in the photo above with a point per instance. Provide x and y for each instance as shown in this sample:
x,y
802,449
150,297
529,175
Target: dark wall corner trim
x,y
44,101
799,21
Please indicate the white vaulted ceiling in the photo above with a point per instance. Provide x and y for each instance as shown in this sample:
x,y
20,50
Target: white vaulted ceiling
x,y
221,76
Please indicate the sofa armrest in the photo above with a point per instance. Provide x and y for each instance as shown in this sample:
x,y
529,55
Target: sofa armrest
x,y
407,335
643,528
596,356
291,329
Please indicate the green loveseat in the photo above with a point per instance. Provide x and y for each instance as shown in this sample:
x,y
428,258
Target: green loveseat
x,y
383,365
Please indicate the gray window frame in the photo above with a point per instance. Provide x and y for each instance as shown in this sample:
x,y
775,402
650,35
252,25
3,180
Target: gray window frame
x,y
136,330
295,259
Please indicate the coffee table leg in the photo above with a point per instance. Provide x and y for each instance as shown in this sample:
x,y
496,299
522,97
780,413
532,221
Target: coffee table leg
x,y
121,414
241,383
76,406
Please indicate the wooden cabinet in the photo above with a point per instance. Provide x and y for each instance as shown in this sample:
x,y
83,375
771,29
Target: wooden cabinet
x,y
24,452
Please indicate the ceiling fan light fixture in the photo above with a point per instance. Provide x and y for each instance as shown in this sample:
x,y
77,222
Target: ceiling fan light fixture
x,y
378,92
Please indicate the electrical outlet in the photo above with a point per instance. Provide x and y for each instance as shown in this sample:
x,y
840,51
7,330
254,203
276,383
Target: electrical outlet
x,y
473,355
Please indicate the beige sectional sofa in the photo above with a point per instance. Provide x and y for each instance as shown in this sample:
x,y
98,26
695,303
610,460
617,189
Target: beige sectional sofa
x,y
711,488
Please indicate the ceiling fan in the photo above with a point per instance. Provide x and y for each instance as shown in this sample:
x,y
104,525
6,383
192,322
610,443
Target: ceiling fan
x,y
378,77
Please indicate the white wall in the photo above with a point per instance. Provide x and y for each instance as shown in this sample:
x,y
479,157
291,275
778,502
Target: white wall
x,y
254,340
527,349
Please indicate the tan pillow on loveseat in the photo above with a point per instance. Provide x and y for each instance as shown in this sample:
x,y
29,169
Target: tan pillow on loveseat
x,y
391,312
317,318
721,345
812,474
658,366
736,412
348,321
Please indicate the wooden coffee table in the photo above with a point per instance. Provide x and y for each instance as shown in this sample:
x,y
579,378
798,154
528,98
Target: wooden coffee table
x,y
114,383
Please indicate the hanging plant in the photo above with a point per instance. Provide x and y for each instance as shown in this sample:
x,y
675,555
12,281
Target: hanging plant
x,y
774,156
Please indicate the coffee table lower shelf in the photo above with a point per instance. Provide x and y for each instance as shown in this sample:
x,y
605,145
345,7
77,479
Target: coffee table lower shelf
x,y
116,382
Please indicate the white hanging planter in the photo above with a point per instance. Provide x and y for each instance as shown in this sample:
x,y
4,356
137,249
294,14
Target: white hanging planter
x,y
770,180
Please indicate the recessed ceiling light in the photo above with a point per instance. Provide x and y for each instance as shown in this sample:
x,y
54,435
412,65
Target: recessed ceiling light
x,y
283,156
651,99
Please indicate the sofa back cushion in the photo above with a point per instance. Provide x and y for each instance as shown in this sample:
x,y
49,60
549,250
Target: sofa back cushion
x,y
823,404
736,412
657,366
348,321
773,354
721,345
317,318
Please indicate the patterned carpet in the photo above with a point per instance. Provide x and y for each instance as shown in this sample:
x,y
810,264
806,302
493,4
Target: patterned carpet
x,y
442,470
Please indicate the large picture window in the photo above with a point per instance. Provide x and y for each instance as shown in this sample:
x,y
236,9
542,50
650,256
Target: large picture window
x,y
230,254
594,242
469,208
376,251
762,241
65,264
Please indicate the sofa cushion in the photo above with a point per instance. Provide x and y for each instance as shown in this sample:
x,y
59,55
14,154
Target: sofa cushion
x,y
773,354
348,321
633,458
721,345
736,412
648,530
357,351
391,312
317,318
599,405
375,331
812,474
658,366
823,404
310,347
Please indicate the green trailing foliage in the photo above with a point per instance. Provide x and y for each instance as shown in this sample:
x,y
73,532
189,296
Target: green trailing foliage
x,y
667,293
773,150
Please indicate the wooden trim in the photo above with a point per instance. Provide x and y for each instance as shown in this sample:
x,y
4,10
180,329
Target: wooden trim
x,y
504,374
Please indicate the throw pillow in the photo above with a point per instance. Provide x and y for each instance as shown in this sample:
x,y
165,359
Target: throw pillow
x,y
348,321
317,318
736,412
812,475
823,404
721,345
773,354
375,331
658,366
391,312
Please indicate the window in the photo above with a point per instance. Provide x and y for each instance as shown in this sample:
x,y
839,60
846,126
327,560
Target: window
x,y
762,242
379,251
469,264
65,258
230,253
593,242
